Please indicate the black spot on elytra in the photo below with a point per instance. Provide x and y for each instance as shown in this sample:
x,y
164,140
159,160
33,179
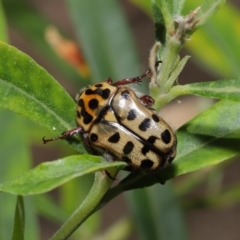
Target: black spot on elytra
x,y
125,94
146,164
114,138
98,85
166,136
155,118
145,124
131,115
87,118
152,139
93,103
126,159
78,114
128,147
93,137
80,102
89,91
103,93
145,150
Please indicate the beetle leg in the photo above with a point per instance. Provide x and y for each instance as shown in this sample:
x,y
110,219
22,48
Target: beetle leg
x,y
132,80
66,134
147,101
109,80
135,79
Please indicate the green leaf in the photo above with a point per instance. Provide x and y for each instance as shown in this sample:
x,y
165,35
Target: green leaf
x,y
220,39
50,175
19,220
169,9
176,72
157,205
221,89
164,13
208,139
208,8
14,162
29,90
14,130
160,27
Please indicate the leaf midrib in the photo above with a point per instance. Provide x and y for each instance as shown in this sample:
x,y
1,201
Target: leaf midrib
x,y
205,143
44,106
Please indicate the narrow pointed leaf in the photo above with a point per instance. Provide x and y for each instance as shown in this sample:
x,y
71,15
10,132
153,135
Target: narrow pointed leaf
x,y
160,25
169,9
220,39
50,175
176,72
19,220
221,89
31,91
28,89
12,164
208,8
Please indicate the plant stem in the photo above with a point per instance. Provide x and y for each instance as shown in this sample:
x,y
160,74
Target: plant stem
x,y
170,56
174,92
100,186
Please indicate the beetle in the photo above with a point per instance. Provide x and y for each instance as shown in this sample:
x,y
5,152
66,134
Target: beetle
x,y
115,122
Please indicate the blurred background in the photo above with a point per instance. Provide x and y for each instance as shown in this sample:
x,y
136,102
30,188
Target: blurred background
x,y
82,43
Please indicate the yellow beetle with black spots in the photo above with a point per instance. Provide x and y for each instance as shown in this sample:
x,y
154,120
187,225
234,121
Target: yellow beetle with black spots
x,y
113,120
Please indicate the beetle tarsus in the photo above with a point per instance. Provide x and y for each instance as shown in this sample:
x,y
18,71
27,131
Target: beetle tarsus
x,y
66,134
147,100
137,80
48,140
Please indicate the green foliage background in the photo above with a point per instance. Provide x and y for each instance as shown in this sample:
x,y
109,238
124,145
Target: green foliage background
x,y
102,47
